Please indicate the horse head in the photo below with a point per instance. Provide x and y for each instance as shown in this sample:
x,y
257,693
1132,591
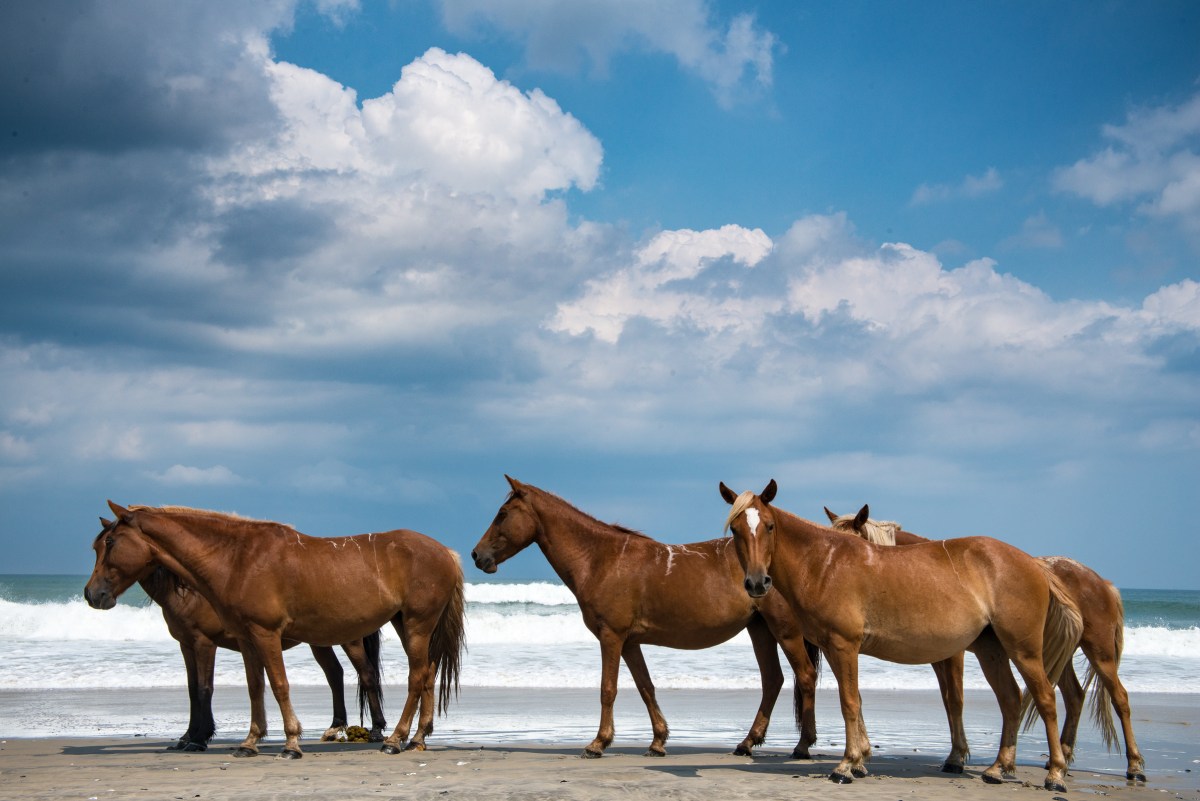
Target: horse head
x,y
880,532
515,526
752,523
123,556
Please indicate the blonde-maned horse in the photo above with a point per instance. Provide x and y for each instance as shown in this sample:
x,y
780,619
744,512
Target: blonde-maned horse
x,y
269,583
914,605
634,590
1103,639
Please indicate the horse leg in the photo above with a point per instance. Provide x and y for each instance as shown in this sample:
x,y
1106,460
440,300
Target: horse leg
x,y
258,709
189,666
420,684
1072,694
203,727
269,650
1104,664
369,686
766,651
1029,665
993,661
949,674
843,660
636,661
610,663
334,675
802,657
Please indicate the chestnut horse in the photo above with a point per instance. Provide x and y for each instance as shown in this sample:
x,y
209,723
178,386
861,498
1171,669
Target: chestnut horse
x,y
194,624
269,583
1103,615
634,590
923,603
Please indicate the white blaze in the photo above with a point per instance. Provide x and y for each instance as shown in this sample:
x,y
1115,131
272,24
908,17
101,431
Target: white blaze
x,y
752,521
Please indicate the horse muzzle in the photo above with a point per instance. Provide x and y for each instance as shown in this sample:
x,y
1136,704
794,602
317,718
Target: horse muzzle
x,y
99,598
758,586
485,562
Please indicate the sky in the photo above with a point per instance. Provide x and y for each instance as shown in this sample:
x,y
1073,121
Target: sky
x,y
345,265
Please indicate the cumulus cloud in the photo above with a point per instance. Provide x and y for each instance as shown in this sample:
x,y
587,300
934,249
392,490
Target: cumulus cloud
x,y
972,186
178,474
730,57
1152,161
652,287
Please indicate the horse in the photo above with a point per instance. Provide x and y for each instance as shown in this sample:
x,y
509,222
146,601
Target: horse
x,y
634,591
1102,641
269,583
923,603
194,624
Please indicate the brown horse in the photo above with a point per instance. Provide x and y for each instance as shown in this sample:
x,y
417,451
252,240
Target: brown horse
x,y
194,624
1103,615
919,604
269,583
633,590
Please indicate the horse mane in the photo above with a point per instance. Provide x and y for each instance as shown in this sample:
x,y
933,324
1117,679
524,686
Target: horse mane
x,y
740,504
880,532
230,517
163,581
595,523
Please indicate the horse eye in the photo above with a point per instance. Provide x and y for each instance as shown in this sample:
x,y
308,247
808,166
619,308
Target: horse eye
x,y
500,517
108,542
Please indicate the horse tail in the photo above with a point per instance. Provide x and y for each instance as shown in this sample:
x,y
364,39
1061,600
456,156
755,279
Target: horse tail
x,y
814,656
448,642
1060,637
1101,699
375,659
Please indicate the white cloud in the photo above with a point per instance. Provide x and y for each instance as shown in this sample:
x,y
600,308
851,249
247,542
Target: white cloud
x,y
1036,232
731,57
448,121
972,186
1153,161
183,475
649,287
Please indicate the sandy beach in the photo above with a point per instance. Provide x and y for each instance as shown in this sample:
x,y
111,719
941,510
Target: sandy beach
x,y
138,768
474,754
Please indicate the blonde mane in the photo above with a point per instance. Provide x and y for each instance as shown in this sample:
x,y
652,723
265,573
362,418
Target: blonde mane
x,y
740,505
880,532
188,510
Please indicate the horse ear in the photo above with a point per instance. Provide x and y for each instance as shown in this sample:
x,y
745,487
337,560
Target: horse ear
x,y
120,511
768,494
860,519
729,495
832,517
105,523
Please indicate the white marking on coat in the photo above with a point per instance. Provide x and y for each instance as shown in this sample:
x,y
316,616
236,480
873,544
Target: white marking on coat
x,y
752,521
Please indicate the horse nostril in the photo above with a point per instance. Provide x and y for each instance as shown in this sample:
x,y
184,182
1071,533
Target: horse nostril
x,y
474,556
749,585
766,581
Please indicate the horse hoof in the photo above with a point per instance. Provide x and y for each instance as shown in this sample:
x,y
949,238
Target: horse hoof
x,y
388,748
798,753
840,778
742,750
415,746
375,736
194,748
177,746
243,752
653,753
950,767
290,753
1135,777
1054,786
590,754
859,773
990,779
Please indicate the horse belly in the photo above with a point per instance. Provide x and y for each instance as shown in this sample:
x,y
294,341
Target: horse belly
x,y
914,651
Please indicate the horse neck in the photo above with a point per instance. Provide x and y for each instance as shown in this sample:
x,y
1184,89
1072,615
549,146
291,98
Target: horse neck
x,y
800,546
191,549
160,585
573,542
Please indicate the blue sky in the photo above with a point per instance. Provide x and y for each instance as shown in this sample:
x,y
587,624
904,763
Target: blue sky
x,y
347,265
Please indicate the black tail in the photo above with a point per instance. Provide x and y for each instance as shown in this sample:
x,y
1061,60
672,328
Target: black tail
x,y
374,658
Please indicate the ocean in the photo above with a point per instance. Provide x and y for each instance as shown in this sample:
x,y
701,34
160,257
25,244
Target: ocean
x,y
524,640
